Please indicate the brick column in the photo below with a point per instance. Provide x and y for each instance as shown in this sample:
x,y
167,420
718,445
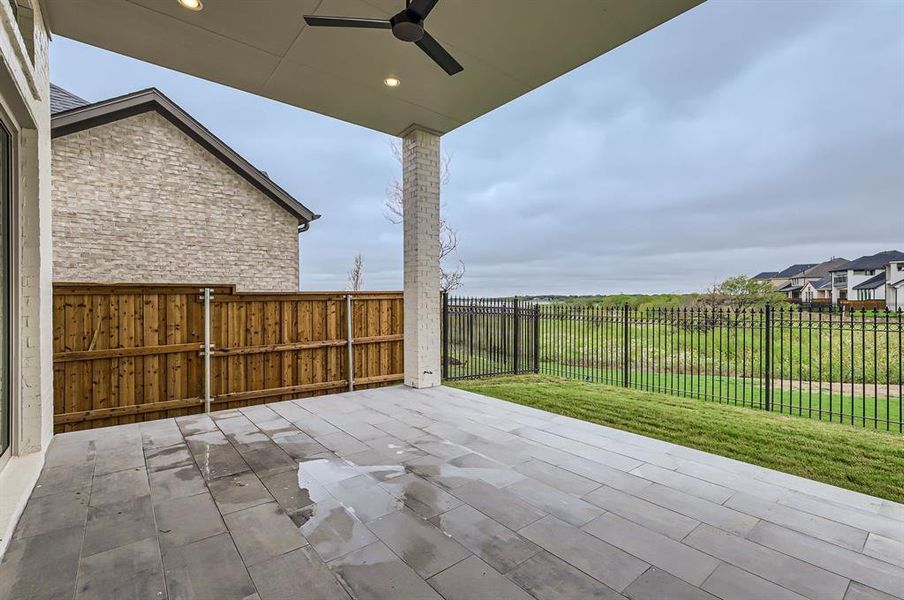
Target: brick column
x,y
420,182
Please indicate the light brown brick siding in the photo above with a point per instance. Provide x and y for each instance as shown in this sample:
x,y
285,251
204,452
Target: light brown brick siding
x,y
138,201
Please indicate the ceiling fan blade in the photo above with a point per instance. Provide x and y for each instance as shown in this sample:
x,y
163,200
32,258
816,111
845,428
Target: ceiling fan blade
x,y
422,7
439,55
316,21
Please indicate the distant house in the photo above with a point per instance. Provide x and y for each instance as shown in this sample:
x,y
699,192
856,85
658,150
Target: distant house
x,y
143,193
782,278
875,277
864,278
817,291
795,286
894,285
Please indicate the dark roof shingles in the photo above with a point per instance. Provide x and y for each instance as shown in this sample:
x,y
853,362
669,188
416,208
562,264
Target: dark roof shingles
x,y
873,261
823,284
794,270
61,100
872,283
824,268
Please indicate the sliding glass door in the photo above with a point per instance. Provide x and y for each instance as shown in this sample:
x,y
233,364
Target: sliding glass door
x,y
5,203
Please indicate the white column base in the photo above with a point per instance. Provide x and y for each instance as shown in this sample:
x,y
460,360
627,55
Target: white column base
x,y
17,479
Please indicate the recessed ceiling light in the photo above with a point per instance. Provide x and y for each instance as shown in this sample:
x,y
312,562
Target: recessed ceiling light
x,y
192,4
391,82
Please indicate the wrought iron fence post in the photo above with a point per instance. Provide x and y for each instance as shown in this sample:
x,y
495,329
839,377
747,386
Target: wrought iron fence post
x,y
516,335
536,338
445,356
768,370
625,372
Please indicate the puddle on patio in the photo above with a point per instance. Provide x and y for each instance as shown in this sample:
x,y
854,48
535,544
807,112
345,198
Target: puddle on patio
x,y
368,491
334,500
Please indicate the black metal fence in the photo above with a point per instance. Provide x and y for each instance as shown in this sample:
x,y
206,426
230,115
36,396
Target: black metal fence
x,y
843,367
489,336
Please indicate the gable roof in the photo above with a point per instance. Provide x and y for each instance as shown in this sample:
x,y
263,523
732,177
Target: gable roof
x,y
766,275
873,261
794,270
824,268
79,117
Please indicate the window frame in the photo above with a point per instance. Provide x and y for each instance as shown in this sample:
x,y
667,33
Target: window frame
x,y
8,206
13,174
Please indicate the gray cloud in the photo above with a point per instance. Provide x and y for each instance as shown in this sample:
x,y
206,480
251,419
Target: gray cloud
x,y
739,137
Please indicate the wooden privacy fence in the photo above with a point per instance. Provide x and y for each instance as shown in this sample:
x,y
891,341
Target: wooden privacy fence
x,y
862,304
127,353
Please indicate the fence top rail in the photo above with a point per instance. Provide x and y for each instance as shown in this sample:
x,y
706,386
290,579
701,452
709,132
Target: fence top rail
x,y
85,289
289,296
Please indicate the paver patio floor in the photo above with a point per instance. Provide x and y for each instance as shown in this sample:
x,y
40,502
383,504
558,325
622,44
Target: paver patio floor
x,y
407,494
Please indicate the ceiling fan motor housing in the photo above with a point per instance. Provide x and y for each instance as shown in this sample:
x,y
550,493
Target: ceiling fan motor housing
x,y
407,26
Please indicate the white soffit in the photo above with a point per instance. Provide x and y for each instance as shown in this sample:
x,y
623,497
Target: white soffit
x,y
507,48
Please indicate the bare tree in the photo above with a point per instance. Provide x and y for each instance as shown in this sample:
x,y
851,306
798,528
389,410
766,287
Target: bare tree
x,y
356,274
450,280
450,277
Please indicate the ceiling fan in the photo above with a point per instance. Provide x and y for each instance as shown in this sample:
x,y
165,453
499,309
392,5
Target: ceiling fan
x,y
407,26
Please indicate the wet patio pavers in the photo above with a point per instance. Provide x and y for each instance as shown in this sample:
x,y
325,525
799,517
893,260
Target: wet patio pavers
x,y
400,493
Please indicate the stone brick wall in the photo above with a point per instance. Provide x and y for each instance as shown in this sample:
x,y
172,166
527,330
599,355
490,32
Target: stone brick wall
x,y
138,201
420,206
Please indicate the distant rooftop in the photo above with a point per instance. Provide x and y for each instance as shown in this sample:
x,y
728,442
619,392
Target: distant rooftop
x,y
873,261
823,284
766,275
794,270
824,268
872,283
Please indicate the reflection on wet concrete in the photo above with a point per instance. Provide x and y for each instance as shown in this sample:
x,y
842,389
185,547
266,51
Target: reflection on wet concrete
x,y
420,496
421,485
334,531
215,456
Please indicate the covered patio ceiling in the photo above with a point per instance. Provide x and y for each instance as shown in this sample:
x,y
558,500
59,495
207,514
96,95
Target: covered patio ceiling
x,y
507,48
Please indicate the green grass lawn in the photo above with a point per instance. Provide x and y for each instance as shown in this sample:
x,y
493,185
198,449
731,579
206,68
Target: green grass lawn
x,y
866,461
862,408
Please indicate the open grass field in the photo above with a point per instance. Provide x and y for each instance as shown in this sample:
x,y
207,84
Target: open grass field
x,y
871,462
805,346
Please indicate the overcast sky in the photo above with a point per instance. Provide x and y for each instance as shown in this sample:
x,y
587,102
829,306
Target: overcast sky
x,y
739,137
